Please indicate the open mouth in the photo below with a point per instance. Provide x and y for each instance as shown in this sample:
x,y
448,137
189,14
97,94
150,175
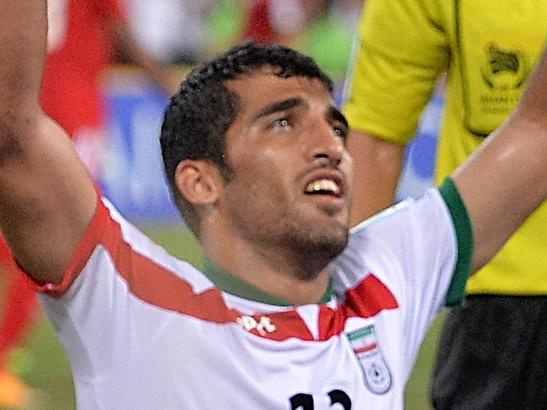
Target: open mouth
x,y
324,186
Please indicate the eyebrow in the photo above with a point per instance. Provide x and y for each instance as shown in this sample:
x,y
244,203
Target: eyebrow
x,y
336,115
279,106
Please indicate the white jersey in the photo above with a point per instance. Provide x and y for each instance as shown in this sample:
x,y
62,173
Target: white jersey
x,y
144,330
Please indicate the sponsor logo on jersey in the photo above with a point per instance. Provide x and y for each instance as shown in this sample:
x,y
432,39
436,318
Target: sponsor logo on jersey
x,y
262,326
504,69
375,369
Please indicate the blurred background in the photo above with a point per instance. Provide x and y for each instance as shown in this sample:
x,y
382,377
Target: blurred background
x,y
180,34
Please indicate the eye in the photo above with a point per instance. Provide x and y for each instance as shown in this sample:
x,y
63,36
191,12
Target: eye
x,y
281,122
341,132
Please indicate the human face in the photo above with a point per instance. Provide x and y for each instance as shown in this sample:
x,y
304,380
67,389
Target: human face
x,y
290,186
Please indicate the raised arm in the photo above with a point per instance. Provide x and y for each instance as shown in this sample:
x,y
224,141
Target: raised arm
x,y
506,179
46,196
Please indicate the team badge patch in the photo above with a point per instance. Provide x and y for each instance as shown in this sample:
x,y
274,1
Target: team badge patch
x,y
375,369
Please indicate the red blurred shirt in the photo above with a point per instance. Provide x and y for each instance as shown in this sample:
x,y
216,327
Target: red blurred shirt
x,y
79,48
259,27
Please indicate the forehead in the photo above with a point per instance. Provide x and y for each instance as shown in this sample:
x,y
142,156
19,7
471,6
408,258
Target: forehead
x,y
262,87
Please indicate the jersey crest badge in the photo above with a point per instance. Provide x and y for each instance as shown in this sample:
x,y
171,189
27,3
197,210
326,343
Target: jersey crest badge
x,y
375,369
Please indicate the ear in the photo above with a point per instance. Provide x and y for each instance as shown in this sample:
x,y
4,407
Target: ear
x,y
198,181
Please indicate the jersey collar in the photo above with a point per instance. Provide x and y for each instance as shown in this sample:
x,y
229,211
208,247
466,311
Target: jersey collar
x,y
236,286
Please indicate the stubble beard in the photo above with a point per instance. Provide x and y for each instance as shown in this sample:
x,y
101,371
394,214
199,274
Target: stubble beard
x,y
306,247
314,252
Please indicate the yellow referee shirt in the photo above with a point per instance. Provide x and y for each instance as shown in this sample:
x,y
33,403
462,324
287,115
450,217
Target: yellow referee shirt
x,y
488,49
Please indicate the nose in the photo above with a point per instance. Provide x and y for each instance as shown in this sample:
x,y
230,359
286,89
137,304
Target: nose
x,y
324,144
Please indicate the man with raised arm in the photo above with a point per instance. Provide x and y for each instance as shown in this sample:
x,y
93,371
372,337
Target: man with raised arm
x,y
291,311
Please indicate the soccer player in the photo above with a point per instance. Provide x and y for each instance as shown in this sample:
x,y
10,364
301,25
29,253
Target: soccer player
x,y
291,311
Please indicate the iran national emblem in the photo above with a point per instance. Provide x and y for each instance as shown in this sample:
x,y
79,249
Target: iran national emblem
x,y
375,369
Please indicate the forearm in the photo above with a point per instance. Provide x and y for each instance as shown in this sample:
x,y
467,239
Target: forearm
x,y
377,166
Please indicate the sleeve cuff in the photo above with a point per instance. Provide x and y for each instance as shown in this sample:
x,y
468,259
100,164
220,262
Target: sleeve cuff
x,y
464,237
83,252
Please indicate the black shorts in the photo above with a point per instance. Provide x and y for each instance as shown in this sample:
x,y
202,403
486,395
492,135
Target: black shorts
x,y
493,355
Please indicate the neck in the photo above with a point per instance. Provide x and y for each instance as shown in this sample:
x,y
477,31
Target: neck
x,y
283,274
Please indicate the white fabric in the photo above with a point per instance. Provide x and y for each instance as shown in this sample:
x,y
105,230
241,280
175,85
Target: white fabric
x,y
129,353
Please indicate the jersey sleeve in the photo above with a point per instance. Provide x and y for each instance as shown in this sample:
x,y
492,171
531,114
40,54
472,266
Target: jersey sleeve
x,y
399,56
464,240
118,283
87,245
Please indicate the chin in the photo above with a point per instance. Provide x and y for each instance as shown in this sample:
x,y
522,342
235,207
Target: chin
x,y
314,256
313,249
317,240
337,246
327,246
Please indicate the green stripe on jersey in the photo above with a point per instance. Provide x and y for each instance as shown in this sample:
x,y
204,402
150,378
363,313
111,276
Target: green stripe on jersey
x,y
464,237
367,331
232,284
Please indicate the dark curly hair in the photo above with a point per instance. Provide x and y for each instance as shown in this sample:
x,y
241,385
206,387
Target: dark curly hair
x,y
200,113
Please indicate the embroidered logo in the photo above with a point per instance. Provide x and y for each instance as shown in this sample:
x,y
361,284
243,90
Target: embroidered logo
x,y
375,369
504,69
262,326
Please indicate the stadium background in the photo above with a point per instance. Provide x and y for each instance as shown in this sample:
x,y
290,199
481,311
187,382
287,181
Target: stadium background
x,y
132,178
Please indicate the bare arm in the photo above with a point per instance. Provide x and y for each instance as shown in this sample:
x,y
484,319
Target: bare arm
x,y
377,169
506,179
46,196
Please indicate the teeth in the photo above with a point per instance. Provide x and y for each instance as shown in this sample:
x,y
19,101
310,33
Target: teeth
x,y
323,185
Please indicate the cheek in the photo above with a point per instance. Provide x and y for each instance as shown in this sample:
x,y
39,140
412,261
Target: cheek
x,y
266,165
347,168
277,170
266,170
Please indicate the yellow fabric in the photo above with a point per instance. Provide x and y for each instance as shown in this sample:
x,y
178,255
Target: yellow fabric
x,y
488,48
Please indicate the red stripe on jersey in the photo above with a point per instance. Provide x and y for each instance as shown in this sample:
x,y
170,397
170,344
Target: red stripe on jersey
x,y
160,287
288,324
367,299
366,348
